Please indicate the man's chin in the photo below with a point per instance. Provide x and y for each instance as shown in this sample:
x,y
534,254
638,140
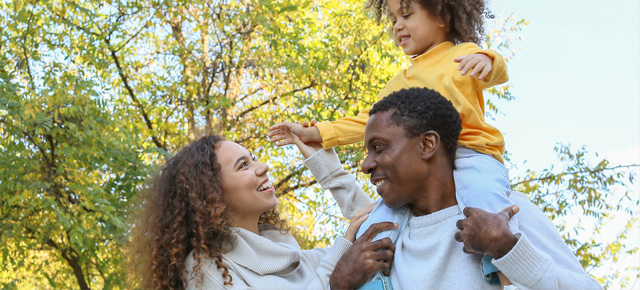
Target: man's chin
x,y
391,203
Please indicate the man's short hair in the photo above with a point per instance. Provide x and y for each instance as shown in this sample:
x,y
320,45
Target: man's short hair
x,y
419,110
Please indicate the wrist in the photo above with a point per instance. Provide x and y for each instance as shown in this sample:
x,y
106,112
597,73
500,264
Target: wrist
x,y
503,246
336,284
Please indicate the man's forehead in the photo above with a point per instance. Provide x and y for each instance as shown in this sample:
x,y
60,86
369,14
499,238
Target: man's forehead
x,y
379,126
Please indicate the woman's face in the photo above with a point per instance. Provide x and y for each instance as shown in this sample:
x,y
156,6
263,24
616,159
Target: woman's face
x,y
246,188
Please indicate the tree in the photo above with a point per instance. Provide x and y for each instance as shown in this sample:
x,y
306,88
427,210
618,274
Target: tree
x,y
582,200
95,95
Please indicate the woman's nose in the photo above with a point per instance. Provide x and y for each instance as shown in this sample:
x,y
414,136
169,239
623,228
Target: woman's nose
x,y
262,168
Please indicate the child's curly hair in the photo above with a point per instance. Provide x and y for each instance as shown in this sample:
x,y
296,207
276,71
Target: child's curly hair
x,y
464,18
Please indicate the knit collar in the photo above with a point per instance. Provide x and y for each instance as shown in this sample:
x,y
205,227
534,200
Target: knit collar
x,y
268,253
436,50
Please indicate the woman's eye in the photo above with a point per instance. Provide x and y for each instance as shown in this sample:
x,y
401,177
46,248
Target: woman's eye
x,y
406,16
243,165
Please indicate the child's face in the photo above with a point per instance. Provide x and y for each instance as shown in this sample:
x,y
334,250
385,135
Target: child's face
x,y
415,29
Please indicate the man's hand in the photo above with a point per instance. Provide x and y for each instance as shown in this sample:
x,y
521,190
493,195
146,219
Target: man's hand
x,y
479,64
485,232
307,132
364,259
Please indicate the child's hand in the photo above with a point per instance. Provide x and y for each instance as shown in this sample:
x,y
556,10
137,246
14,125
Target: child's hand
x,y
307,149
307,133
479,64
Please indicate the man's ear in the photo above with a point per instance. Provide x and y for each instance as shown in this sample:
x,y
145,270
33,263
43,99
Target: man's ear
x,y
429,143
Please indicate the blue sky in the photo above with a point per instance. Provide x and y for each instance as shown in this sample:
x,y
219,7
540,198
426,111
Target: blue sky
x,y
576,79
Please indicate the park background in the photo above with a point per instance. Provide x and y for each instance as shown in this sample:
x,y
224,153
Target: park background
x,y
95,95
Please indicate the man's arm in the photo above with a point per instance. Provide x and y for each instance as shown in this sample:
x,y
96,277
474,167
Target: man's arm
x,y
539,259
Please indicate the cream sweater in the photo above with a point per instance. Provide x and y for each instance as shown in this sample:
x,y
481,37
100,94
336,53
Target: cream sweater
x,y
428,257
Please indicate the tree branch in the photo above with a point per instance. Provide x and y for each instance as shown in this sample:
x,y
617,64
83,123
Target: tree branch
x,y
551,176
74,262
132,95
241,114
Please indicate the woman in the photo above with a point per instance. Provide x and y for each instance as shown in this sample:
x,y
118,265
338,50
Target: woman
x,y
210,222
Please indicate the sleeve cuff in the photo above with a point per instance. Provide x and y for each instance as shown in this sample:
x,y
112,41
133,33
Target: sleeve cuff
x,y
524,262
340,246
328,134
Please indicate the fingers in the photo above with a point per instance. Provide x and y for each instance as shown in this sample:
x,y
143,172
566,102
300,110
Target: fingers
x,y
460,224
385,257
478,69
386,268
458,237
468,251
511,211
467,211
384,243
477,64
485,71
356,222
279,126
469,64
376,228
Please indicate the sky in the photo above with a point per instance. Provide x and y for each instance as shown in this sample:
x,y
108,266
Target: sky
x,y
576,81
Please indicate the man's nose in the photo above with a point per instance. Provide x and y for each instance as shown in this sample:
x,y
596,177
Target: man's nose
x,y
368,165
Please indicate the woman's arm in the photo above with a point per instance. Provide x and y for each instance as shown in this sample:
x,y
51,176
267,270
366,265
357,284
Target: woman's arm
x,y
329,172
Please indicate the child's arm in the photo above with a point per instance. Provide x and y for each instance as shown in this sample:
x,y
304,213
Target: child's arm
x,y
487,65
505,283
347,130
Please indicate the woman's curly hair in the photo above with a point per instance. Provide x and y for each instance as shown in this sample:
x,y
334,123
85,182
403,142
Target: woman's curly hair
x,y
464,18
183,211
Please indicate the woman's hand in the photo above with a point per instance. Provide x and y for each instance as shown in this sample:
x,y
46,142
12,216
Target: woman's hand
x,y
357,219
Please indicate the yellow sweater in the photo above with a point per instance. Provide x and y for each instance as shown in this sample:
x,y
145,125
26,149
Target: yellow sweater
x,y
436,70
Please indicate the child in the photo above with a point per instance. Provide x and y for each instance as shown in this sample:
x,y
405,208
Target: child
x,y
442,39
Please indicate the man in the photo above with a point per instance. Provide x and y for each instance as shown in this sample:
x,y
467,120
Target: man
x,y
411,140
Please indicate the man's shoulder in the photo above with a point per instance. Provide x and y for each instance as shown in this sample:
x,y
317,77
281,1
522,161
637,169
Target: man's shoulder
x,y
529,211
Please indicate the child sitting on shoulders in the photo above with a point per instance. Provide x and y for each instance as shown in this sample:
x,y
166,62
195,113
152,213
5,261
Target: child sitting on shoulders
x,y
442,39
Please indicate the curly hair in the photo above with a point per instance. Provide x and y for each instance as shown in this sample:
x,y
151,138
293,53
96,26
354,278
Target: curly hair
x,y
464,18
419,110
183,211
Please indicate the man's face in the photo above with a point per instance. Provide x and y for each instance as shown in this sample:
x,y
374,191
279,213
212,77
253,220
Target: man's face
x,y
393,161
